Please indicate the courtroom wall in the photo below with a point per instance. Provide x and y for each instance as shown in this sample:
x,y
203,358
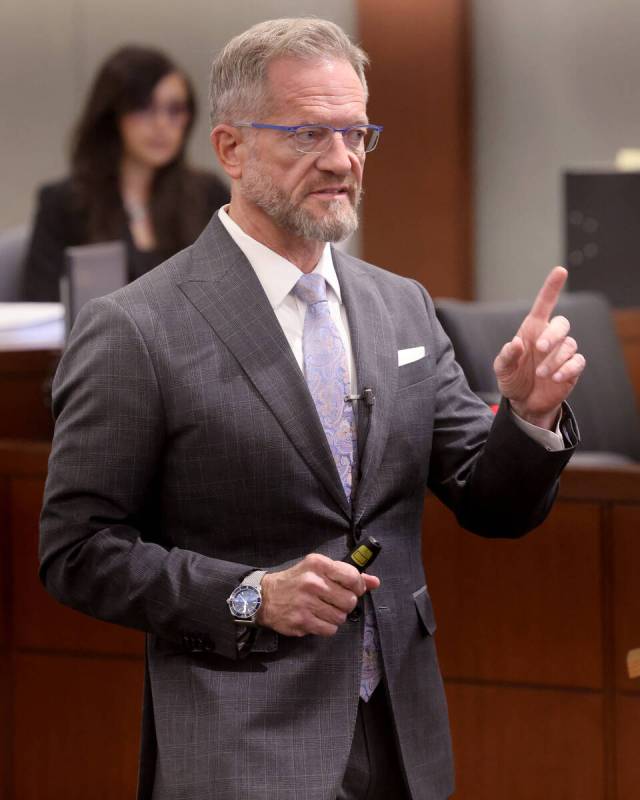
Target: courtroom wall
x,y
556,84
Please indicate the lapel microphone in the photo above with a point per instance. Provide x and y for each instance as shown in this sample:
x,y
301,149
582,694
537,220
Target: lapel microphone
x,y
367,396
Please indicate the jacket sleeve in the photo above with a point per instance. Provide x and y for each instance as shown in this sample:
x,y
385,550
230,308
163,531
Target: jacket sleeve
x,y
99,552
497,479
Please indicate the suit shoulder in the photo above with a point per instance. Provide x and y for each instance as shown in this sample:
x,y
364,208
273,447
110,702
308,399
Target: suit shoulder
x,y
158,286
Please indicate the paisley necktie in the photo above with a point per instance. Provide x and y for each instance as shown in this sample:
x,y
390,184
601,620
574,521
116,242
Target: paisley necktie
x,y
326,371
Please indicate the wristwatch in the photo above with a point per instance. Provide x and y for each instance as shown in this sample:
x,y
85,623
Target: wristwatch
x,y
245,600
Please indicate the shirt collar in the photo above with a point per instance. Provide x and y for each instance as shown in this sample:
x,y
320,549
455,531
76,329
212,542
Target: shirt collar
x,y
276,274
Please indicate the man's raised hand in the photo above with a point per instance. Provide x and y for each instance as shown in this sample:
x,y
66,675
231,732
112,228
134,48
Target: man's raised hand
x,y
539,367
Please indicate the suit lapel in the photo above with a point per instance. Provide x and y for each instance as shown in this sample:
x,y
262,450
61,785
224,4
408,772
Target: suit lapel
x,y
225,289
376,356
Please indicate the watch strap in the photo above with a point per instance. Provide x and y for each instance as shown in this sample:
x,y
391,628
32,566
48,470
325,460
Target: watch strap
x,y
254,578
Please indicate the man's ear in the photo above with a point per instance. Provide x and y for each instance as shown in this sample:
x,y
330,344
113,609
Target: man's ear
x,y
227,144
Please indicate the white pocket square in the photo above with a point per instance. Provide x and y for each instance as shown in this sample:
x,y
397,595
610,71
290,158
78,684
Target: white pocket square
x,y
410,354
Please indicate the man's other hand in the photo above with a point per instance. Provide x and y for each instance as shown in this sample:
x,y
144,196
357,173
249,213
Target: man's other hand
x,y
539,367
314,596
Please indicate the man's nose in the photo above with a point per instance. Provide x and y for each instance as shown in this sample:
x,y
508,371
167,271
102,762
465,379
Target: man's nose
x,y
337,158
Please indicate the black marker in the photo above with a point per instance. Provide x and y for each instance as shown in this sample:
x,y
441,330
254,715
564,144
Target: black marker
x,y
364,554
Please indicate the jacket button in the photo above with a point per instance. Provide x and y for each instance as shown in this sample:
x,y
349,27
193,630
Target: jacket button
x,y
355,615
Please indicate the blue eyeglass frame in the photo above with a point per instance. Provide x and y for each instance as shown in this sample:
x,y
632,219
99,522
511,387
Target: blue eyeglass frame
x,y
294,128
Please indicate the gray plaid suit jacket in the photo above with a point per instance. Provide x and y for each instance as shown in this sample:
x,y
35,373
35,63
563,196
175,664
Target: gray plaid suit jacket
x,y
187,452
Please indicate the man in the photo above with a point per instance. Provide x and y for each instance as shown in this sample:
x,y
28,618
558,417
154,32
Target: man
x,y
231,424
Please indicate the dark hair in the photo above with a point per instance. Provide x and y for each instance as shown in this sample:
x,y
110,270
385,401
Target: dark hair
x,y
124,83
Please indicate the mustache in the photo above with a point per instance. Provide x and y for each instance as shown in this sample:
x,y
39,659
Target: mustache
x,y
340,185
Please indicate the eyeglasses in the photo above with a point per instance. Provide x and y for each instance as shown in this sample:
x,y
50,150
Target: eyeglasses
x,y
317,138
176,113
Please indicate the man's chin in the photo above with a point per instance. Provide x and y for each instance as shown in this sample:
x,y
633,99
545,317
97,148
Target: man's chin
x,y
328,227
332,222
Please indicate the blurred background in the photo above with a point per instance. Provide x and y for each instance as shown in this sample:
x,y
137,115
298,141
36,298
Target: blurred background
x,y
551,84
486,107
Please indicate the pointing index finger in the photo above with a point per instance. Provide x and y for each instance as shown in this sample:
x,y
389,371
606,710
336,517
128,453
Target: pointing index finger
x,y
548,295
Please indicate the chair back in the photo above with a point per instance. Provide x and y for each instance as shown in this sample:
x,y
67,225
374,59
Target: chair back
x,y
603,400
13,251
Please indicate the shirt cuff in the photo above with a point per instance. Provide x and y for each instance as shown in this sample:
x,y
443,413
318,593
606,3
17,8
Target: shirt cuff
x,y
550,440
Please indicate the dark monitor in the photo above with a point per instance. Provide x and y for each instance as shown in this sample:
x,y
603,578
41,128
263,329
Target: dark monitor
x,y
91,270
602,225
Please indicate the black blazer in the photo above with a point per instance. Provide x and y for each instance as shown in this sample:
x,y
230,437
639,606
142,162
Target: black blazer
x,y
59,225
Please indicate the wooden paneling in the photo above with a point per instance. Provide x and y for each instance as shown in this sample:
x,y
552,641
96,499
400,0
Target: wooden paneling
x,y
25,378
533,636
508,593
628,327
417,206
5,565
626,586
5,642
525,743
70,687
6,733
603,485
76,724
628,747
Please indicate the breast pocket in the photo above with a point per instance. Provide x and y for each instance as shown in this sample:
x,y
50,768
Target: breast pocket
x,y
425,611
415,372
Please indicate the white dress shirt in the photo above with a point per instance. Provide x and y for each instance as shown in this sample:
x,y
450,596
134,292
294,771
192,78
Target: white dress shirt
x,y
278,276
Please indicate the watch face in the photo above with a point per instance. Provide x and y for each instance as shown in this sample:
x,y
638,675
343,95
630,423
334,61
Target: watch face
x,y
244,602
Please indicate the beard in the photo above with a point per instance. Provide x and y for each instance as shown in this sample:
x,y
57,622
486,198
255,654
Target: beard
x,y
339,220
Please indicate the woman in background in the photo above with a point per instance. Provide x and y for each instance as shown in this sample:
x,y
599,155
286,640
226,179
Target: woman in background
x,y
128,179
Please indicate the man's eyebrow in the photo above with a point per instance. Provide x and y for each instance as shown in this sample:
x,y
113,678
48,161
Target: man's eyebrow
x,y
357,124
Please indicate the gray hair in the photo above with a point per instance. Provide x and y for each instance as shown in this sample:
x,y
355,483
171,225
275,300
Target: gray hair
x,y
238,74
